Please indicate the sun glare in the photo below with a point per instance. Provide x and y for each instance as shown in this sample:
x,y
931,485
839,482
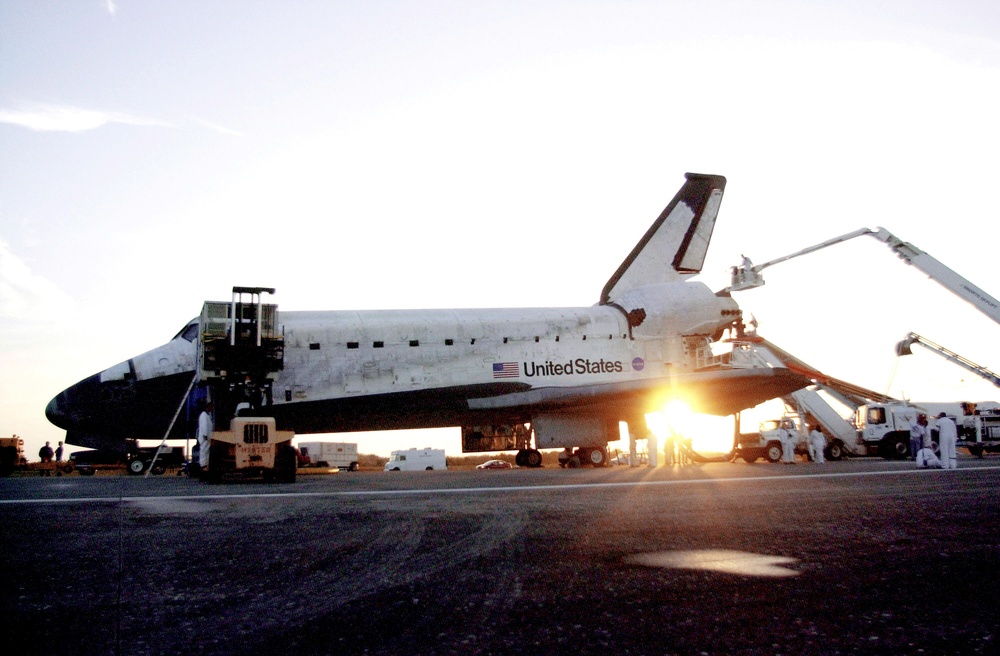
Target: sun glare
x,y
708,433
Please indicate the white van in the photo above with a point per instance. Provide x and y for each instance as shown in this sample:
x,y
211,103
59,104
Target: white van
x,y
416,460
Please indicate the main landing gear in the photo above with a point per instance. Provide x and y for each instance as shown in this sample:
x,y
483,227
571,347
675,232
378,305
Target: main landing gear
x,y
584,456
528,458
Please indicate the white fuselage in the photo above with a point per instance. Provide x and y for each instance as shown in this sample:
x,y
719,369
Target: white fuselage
x,y
332,355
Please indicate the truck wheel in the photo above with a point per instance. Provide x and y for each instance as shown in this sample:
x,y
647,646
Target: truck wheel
x,y
894,448
159,470
835,451
68,469
749,457
573,462
136,466
773,452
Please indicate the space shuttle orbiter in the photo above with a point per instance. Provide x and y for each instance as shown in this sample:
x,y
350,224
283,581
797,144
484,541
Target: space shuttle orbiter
x,y
567,375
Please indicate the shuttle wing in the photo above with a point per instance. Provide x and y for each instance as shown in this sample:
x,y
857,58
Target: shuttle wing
x,y
718,392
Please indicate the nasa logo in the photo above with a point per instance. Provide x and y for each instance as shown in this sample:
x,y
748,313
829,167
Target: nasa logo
x,y
638,364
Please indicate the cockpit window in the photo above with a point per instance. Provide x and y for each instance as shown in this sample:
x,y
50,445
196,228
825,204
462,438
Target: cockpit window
x,y
189,332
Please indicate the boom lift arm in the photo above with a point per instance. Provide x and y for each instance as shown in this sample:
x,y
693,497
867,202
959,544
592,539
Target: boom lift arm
x,y
748,276
903,348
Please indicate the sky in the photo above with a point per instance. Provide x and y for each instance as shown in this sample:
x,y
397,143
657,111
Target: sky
x,y
445,154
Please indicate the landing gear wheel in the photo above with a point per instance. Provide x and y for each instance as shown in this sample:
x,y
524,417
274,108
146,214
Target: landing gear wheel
x,y
533,458
521,459
597,457
136,466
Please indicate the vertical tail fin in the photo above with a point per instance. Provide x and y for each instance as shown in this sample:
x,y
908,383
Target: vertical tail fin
x,y
675,246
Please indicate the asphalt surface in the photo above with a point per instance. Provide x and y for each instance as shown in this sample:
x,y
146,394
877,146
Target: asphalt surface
x,y
854,557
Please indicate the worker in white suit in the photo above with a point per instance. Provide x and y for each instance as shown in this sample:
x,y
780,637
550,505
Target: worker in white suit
x,y
947,437
817,444
788,446
204,435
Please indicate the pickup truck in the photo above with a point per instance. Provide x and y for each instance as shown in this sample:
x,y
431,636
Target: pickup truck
x,y
136,462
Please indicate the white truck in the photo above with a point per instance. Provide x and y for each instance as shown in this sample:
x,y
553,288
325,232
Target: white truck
x,y
767,442
416,460
342,455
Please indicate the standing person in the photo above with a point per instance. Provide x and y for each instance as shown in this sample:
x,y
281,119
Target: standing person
x,y
45,455
204,435
59,452
917,432
787,446
947,436
817,444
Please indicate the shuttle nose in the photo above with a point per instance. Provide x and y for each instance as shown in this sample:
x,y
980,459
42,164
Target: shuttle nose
x,y
69,408
54,412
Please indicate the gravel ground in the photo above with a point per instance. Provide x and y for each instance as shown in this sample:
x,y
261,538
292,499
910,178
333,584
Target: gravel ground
x,y
871,557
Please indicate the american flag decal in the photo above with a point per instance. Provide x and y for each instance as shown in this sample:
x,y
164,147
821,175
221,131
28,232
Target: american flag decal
x,y
505,370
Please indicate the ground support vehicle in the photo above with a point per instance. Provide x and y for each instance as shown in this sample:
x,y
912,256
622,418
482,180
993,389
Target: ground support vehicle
x,y
416,460
768,442
253,447
135,461
11,455
87,463
143,459
884,429
340,455
240,352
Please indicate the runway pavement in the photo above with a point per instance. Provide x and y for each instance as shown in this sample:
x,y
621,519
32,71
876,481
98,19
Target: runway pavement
x,y
853,557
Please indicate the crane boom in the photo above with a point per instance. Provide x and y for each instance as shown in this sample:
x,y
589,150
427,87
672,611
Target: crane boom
x,y
903,348
748,276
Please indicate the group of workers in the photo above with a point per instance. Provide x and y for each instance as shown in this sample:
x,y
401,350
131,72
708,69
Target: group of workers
x,y
922,448
921,445
677,450
816,444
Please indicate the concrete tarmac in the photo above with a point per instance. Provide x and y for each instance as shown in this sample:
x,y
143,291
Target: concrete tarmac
x,y
852,557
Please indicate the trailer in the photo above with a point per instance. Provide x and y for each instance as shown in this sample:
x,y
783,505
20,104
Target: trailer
x,y
342,455
416,460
